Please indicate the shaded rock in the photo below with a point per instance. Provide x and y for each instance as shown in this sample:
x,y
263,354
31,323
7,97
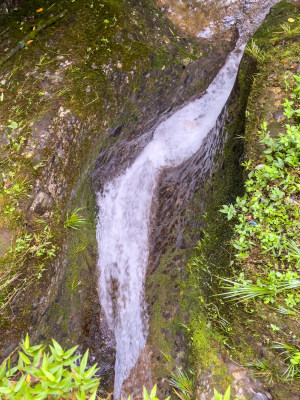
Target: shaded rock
x,y
42,203
259,396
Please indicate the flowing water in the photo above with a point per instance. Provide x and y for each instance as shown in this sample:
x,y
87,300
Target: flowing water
x,y
124,213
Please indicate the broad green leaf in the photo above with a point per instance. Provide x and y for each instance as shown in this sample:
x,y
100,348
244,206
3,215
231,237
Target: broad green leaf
x,y
37,359
145,394
153,392
24,358
58,348
227,394
69,353
91,371
83,363
93,395
5,390
19,384
48,375
3,370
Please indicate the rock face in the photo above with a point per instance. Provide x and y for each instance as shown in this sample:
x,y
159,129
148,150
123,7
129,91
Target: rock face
x,y
93,78
78,82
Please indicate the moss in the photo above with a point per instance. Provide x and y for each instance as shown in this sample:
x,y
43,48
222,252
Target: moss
x,y
213,256
211,327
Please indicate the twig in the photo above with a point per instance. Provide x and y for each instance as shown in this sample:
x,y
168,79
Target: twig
x,y
31,36
5,30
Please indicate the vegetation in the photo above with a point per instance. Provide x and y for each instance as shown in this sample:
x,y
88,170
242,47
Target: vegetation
x,y
48,372
183,384
226,396
267,216
41,374
75,220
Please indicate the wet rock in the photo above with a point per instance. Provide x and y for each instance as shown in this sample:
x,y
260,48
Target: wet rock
x,y
259,396
41,203
9,349
6,238
116,132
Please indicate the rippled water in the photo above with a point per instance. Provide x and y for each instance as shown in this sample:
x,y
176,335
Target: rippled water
x,y
206,18
125,204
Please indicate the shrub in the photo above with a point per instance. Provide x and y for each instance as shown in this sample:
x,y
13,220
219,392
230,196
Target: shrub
x,y
41,374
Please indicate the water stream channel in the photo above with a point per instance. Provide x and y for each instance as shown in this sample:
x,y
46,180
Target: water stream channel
x,y
125,202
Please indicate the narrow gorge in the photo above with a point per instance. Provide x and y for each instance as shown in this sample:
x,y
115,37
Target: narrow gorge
x,y
134,115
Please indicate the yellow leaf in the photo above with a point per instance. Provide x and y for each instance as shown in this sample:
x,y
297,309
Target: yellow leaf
x,y
29,41
39,10
291,20
28,379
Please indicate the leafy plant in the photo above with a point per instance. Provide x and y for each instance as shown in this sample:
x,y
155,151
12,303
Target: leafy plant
x,y
43,375
253,49
149,396
292,355
226,396
262,369
266,230
183,384
267,289
75,220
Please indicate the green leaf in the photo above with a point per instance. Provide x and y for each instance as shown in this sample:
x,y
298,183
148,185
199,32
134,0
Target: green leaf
x,y
58,348
24,358
37,359
145,394
48,375
26,342
19,384
91,371
5,390
83,363
153,392
93,395
69,353
2,370
227,394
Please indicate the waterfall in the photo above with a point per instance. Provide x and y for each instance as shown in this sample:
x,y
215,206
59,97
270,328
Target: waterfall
x,y
124,214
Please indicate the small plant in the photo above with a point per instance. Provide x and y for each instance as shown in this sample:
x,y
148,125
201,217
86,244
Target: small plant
x,y
45,375
255,51
292,355
226,396
262,369
75,220
267,289
183,385
151,395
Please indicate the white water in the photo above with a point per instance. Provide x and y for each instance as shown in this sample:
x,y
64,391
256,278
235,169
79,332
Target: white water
x,y
124,215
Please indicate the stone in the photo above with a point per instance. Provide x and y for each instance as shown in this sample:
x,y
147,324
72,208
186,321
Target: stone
x,y
259,396
9,349
41,203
